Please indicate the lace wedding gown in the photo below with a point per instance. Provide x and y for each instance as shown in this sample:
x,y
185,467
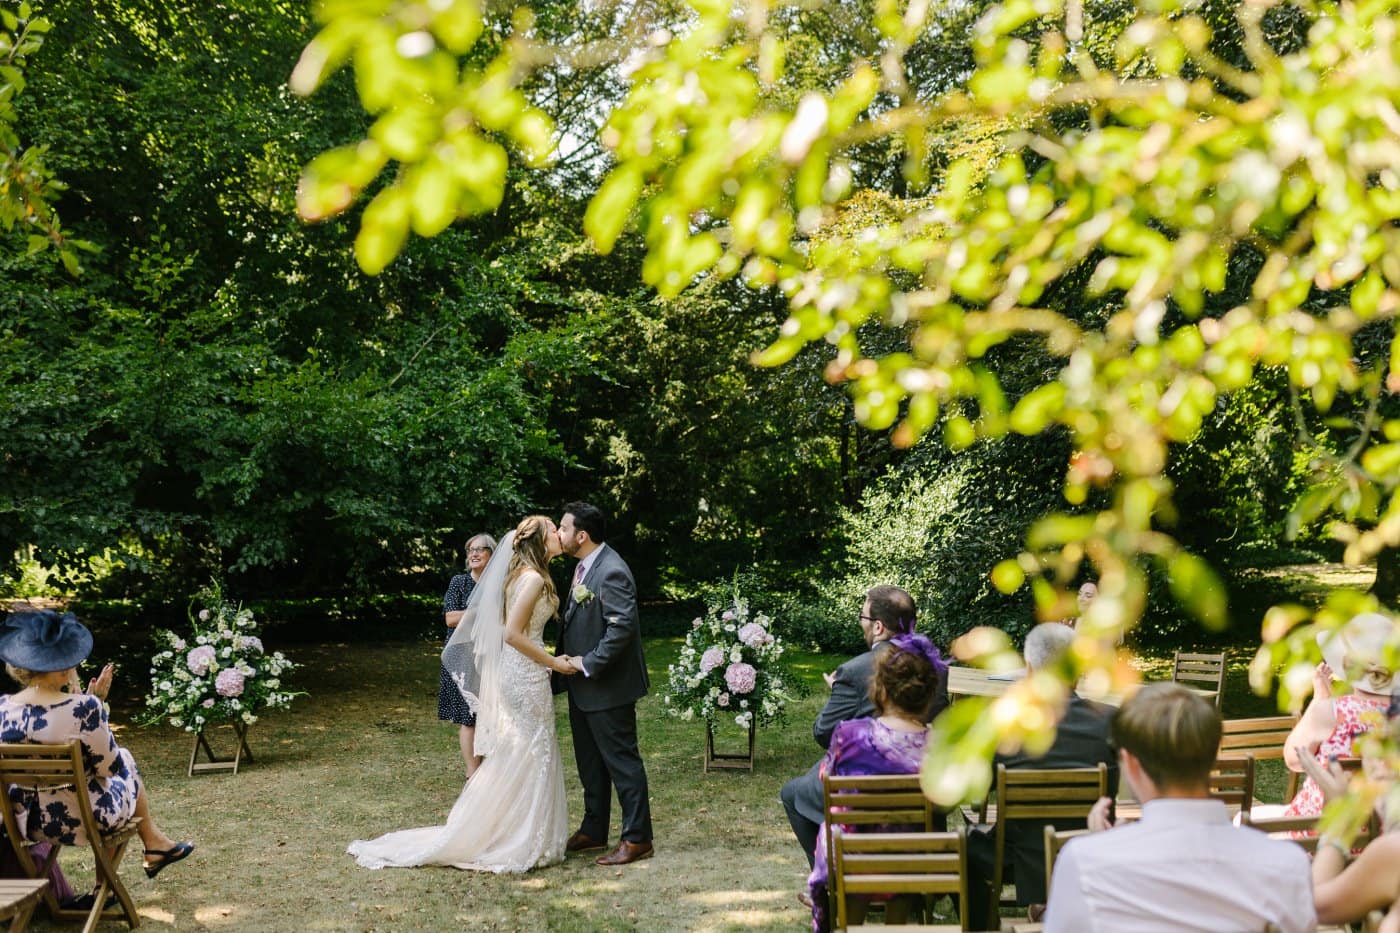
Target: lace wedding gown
x,y
511,816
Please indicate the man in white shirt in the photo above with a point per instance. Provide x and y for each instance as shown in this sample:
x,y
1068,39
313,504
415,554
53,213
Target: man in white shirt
x,y
1184,865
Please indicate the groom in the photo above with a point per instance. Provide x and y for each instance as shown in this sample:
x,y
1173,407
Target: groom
x,y
601,636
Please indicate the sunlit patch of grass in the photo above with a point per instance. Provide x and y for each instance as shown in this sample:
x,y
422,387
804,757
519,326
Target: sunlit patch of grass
x,y
723,898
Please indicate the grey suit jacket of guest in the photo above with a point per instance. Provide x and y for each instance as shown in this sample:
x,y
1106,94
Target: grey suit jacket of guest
x,y
850,699
606,631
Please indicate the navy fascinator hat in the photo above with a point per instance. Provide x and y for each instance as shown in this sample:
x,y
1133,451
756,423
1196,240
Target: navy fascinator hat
x,y
44,641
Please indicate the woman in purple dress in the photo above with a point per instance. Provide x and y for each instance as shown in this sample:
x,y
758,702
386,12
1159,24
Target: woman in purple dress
x,y
890,742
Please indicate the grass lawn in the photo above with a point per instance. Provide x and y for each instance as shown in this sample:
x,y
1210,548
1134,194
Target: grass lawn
x,y
363,753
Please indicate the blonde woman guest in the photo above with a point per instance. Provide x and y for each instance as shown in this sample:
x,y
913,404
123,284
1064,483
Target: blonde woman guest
x,y
1345,890
452,706
42,651
1331,724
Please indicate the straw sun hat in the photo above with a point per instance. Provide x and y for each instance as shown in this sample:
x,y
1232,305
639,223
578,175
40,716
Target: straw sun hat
x,y
1355,652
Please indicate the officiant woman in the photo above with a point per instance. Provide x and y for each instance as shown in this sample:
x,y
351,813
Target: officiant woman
x,y
452,706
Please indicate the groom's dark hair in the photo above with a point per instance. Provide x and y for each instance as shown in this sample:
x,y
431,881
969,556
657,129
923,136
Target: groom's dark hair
x,y
588,518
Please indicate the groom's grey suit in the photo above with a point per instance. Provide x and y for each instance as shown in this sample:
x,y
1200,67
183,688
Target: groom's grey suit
x,y
605,632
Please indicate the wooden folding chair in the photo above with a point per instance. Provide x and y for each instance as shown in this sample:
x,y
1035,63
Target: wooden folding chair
x,y
1204,672
1040,794
1261,736
1232,781
875,800
1303,829
1054,842
46,767
929,864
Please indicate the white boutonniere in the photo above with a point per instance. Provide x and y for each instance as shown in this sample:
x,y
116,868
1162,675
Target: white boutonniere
x,y
582,594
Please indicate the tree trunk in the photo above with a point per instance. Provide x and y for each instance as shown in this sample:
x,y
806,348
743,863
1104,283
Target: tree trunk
x,y
1387,585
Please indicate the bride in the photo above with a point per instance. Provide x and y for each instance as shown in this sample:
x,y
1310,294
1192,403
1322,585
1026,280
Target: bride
x,y
511,816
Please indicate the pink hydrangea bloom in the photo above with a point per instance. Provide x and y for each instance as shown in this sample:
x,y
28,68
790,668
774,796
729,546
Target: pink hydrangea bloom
x,y
208,703
711,659
251,641
723,699
754,635
200,659
741,677
229,683
727,615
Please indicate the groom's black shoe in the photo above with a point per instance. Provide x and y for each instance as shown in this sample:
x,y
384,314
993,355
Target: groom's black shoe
x,y
627,852
579,842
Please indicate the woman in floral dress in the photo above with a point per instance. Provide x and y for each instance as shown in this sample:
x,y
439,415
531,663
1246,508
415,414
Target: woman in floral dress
x,y
41,651
1330,725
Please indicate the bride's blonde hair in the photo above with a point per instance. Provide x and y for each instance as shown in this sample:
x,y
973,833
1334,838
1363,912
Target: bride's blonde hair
x,y
532,551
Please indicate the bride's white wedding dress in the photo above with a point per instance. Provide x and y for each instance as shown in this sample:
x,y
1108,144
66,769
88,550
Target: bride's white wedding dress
x,y
511,816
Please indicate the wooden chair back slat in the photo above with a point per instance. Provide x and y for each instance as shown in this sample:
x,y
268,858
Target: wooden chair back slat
x,y
1232,781
1054,842
1022,793
926,863
1302,830
882,863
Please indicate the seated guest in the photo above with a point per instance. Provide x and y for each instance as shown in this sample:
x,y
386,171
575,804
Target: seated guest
x,y
892,741
886,612
1330,724
1081,741
1346,890
1184,865
1088,592
41,651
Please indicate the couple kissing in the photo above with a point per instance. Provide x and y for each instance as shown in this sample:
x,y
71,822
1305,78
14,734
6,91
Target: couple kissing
x,y
512,815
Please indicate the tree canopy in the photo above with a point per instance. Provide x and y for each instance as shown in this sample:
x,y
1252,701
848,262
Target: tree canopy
x,y
1172,201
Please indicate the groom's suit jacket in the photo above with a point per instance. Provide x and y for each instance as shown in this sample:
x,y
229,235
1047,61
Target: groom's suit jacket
x,y
606,631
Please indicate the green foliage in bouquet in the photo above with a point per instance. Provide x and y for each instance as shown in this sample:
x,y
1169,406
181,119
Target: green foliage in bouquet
x,y
219,674
730,665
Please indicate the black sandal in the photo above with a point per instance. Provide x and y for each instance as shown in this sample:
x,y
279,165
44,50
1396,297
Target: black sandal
x,y
86,902
167,857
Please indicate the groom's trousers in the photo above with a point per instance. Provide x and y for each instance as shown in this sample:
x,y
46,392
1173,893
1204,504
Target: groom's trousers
x,y
605,747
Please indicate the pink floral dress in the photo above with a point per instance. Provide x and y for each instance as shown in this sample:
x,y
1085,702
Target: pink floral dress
x,y
1349,709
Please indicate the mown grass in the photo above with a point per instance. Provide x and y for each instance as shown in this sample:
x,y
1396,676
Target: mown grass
x,y
363,753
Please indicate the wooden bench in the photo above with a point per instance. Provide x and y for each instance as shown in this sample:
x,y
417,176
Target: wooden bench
x,y
1263,737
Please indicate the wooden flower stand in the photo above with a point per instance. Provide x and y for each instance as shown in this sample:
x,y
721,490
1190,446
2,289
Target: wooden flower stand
x,y
215,763
715,761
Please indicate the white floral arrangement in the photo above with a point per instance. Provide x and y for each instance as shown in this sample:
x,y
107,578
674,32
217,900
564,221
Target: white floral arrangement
x,y
730,665
219,673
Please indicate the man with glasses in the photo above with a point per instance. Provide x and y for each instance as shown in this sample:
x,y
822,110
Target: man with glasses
x,y
886,612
